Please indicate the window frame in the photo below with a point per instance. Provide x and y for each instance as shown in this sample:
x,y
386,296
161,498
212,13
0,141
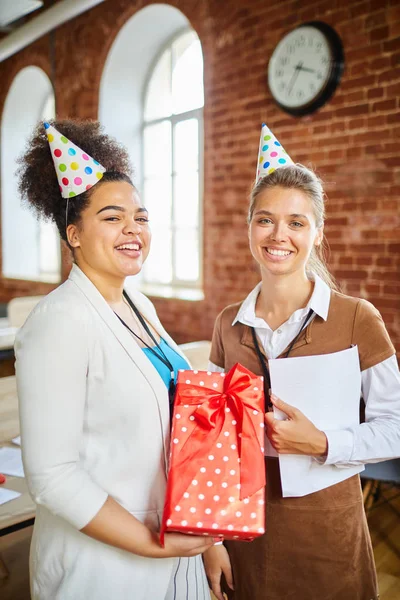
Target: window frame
x,y
40,283
176,288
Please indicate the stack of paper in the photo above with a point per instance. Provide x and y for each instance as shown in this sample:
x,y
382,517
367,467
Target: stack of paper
x,y
327,389
7,495
11,461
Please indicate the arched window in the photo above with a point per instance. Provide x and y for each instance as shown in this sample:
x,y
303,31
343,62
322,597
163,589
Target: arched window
x,y
172,168
30,247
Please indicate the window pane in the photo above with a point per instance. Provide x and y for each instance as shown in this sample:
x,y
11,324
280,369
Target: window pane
x,y
187,254
186,148
187,80
158,201
182,43
49,109
158,98
157,149
186,200
49,250
38,258
158,266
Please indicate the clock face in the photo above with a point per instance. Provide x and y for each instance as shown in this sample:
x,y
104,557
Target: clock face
x,y
301,68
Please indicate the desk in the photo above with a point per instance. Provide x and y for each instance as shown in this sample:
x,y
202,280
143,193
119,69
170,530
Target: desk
x,y
7,337
20,512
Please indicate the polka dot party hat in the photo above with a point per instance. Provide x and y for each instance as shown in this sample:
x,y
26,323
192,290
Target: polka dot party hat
x,y
271,155
76,170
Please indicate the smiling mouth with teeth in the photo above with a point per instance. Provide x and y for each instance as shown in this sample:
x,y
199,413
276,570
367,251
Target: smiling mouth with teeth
x,y
275,252
135,247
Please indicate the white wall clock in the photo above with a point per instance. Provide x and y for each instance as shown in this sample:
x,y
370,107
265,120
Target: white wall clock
x,y
305,68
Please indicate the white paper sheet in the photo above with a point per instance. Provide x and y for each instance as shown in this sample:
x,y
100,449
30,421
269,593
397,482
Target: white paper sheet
x,y
17,440
7,495
11,461
327,389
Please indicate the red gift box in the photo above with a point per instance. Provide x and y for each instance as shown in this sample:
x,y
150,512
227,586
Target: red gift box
x,y
216,481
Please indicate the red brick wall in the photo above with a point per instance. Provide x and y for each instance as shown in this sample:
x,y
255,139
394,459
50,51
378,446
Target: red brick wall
x,y
353,141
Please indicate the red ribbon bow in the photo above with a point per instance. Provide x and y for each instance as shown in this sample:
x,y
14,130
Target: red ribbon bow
x,y
240,397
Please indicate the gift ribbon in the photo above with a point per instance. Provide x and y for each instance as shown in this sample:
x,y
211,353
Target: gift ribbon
x,y
239,396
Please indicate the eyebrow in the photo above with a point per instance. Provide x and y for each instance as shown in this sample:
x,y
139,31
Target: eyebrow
x,y
120,208
270,214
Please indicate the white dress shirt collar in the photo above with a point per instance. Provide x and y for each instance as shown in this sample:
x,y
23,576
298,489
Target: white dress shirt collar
x,y
319,302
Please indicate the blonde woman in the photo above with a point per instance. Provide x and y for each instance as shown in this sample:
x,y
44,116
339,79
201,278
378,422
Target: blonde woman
x,y
318,545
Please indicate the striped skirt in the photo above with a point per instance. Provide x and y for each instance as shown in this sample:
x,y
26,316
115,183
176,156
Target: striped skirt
x,y
188,580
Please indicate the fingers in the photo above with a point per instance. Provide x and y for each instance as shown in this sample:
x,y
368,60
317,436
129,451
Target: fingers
x,y
202,545
215,584
269,419
178,544
227,571
290,410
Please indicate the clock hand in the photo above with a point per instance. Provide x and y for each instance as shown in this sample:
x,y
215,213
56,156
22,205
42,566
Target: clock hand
x,y
305,69
294,77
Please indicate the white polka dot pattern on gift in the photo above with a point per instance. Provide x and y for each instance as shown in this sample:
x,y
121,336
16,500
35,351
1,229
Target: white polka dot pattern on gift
x,y
211,503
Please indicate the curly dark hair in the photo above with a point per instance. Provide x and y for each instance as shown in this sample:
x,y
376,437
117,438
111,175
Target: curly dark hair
x,y
38,182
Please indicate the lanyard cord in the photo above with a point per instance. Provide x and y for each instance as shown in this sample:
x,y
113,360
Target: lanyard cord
x,y
160,355
261,358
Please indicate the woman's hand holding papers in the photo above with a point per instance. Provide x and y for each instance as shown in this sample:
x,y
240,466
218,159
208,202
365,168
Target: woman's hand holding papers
x,y
296,434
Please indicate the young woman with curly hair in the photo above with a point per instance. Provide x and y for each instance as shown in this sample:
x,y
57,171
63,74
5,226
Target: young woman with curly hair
x,y
94,367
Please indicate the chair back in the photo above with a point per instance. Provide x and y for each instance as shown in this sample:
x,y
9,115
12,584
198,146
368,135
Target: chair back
x,y
197,353
18,309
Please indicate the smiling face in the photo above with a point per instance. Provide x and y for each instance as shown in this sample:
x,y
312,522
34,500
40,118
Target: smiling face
x,y
112,239
283,231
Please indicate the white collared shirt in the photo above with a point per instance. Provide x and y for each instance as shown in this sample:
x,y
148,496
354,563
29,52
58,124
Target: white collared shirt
x,y
379,437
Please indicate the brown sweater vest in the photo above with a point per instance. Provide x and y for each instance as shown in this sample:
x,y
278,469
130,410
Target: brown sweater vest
x,y
351,321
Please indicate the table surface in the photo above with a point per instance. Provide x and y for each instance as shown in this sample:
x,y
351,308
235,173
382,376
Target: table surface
x,y
22,508
7,337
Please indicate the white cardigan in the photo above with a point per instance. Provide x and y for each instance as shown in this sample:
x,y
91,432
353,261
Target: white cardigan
x,y
94,422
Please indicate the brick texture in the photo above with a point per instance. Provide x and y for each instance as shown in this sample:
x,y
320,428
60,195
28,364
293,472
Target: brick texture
x,y
352,141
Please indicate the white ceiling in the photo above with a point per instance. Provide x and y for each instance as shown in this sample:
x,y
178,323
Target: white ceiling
x,y
11,10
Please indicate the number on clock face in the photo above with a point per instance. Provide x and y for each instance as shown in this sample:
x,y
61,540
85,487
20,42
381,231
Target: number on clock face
x,y
299,67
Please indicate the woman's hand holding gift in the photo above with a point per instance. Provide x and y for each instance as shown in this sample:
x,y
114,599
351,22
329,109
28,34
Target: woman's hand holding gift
x,y
296,434
181,544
